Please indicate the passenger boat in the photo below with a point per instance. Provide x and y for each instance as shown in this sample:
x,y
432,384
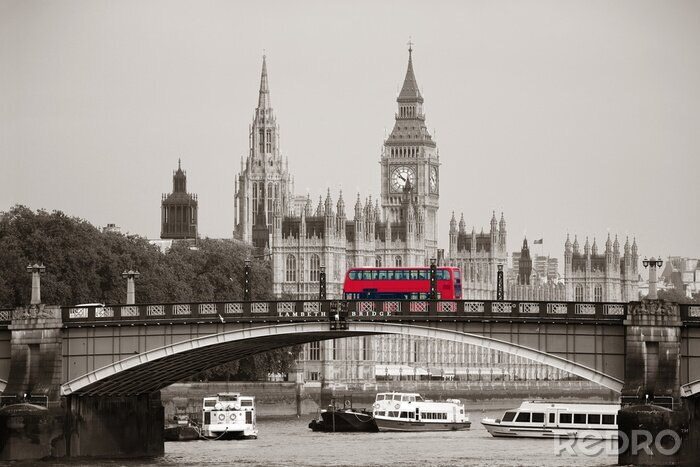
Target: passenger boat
x,y
539,419
405,411
229,416
343,418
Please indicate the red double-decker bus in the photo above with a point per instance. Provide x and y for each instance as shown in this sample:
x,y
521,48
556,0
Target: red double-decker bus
x,y
401,283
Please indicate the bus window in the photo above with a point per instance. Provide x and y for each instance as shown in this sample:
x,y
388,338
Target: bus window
x,y
352,275
414,274
423,275
390,274
367,275
382,274
457,274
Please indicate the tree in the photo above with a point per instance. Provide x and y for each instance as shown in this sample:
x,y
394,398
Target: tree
x,y
676,296
84,265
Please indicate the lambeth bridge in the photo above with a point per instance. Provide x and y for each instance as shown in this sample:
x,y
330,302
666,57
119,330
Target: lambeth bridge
x,y
91,375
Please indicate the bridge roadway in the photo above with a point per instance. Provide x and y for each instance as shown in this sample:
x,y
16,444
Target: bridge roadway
x,y
137,349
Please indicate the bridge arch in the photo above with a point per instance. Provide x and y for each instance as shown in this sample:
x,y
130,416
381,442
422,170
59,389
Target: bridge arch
x,y
158,368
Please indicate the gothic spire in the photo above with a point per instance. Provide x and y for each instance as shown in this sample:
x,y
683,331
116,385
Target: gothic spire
x,y
409,90
264,98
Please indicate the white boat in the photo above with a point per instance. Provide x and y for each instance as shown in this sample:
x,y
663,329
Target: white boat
x,y
540,419
405,411
229,416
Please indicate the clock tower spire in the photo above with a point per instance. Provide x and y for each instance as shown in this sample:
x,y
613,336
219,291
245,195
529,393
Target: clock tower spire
x,y
410,154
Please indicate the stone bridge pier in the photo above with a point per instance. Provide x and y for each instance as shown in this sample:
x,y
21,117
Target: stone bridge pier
x,y
654,422
37,422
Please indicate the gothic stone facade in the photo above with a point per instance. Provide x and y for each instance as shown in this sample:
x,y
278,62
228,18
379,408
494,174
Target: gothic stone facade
x,y
607,277
399,229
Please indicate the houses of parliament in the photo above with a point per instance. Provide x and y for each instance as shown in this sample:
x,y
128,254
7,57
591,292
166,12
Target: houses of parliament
x,y
341,230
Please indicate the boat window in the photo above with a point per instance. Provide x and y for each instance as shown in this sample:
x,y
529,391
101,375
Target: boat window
x,y
405,415
246,403
593,419
564,418
380,397
397,397
579,418
537,417
523,417
209,403
551,418
380,413
392,413
608,419
508,416
405,398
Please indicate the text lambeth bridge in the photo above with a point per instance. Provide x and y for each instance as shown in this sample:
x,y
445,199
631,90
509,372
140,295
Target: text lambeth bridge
x,y
85,381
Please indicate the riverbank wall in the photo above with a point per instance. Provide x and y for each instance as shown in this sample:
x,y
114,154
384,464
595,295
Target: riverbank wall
x,y
284,399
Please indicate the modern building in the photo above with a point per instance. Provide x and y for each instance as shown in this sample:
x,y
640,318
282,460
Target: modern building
x,y
682,274
546,268
178,218
607,277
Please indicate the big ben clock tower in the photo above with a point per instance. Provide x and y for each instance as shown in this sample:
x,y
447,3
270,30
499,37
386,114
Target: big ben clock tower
x,y
410,154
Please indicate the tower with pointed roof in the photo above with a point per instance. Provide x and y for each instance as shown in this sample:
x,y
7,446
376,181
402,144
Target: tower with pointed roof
x,y
410,157
178,212
524,265
264,177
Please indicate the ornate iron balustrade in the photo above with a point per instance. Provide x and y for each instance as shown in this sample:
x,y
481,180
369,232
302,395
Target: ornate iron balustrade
x,y
358,310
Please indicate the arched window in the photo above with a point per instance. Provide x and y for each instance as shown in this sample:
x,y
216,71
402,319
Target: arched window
x,y
255,201
598,293
291,274
397,261
314,267
269,202
378,261
578,293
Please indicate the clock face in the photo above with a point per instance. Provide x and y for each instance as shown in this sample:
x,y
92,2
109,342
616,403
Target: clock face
x,y
400,176
433,180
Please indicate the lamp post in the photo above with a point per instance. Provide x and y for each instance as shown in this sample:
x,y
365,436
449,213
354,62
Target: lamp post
x,y
433,279
499,283
322,283
652,263
36,270
246,281
130,277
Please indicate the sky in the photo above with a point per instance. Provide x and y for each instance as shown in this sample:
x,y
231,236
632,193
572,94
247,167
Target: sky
x,y
568,117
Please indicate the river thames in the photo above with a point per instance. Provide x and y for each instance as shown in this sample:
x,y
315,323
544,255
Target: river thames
x,y
289,442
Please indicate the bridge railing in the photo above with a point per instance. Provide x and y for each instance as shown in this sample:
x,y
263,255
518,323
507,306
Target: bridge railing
x,y
357,310
5,315
690,313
